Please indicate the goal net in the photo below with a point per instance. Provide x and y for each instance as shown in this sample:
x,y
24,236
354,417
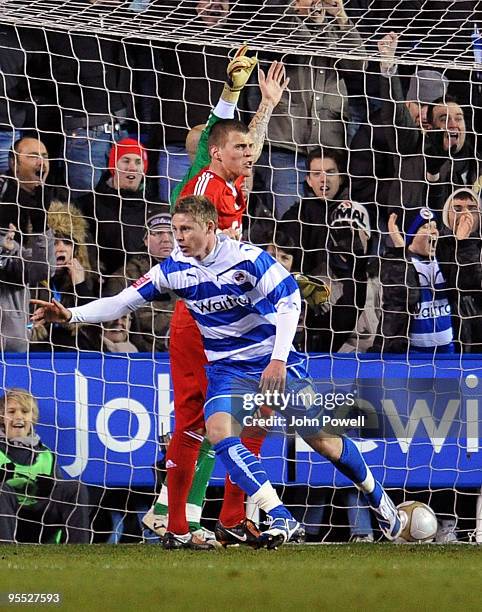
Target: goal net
x,y
368,180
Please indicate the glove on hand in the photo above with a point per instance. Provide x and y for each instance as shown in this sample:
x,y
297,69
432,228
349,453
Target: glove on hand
x,y
239,70
313,290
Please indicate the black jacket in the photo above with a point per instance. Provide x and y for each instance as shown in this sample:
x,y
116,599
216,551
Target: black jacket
x,y
13,84
307,224
69,337
117,224
90,73
328,331
24,208
371,162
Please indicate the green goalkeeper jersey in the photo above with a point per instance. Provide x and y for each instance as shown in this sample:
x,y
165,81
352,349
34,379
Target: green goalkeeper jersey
x,y
201,160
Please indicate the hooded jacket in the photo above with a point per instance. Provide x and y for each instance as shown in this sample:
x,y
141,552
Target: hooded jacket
x,y
462,263
67,223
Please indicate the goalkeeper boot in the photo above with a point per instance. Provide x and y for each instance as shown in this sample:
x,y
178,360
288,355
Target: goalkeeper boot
x,y
390,520
280,531
206,536
172,541
245,532
157,523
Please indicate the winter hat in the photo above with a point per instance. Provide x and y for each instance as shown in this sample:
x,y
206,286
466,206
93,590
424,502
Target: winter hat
x,y
463,190
126,146
66,221
413,221
426,86
351,214
159,222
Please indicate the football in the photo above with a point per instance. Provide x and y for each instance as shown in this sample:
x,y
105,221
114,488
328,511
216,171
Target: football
x,y
421,522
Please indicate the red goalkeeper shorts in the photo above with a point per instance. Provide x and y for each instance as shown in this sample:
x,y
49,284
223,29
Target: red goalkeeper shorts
x,y
189,380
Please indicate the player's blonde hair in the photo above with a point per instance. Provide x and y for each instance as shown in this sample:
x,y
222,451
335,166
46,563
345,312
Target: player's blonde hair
x,y
200,208
24,398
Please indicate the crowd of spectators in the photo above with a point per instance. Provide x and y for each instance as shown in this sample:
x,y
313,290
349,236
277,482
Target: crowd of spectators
x,y
356,153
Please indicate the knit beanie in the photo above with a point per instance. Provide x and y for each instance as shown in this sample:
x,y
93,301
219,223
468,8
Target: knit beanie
x,y
413,221
126,146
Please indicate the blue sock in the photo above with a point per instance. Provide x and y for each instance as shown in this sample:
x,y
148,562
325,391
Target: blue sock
x,y
280,512
243,467
352,465
375,496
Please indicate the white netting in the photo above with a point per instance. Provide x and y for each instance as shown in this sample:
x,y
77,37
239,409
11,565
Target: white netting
x,y
81,76
437,32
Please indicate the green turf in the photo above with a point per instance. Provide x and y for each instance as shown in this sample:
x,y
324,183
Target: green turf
x,y
350,577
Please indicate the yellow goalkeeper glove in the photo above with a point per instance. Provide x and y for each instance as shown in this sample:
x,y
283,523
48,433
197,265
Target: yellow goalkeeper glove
x,y
239,70
313,290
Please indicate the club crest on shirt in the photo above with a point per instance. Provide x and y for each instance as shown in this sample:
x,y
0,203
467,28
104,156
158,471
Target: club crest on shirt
x,y
239,277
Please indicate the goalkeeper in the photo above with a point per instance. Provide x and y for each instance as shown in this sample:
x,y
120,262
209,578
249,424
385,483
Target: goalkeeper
x,y
189,379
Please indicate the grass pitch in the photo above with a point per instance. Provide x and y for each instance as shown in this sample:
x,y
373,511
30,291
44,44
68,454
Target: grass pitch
x,y
316,578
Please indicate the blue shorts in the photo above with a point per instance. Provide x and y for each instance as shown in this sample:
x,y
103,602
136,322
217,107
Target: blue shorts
x,y
237,393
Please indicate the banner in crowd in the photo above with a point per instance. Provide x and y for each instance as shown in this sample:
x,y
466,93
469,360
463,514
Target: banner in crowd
x,y
418,421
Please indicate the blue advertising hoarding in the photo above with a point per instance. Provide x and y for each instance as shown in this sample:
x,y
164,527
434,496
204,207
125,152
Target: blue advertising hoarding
x,y
103,415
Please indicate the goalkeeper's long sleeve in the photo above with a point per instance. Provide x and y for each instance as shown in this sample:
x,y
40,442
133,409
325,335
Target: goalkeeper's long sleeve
x,y
108,309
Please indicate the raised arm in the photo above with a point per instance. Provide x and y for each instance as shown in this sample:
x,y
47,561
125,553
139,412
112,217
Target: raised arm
x,y
405,135
238,73
272,86
28,265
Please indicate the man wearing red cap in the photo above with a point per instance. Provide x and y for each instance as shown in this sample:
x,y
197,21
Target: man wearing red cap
x,y
127,164
117,209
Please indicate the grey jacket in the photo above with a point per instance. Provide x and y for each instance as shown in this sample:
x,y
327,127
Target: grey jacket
x,y
20,269
311,111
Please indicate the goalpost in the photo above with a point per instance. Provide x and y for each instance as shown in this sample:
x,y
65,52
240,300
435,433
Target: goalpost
x,y
160,66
